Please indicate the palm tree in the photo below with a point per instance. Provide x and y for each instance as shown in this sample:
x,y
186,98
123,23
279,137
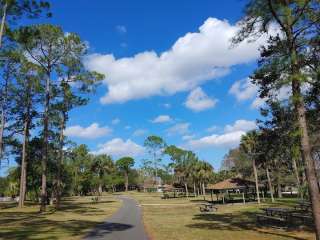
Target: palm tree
x,y
248,144
124,164
102,165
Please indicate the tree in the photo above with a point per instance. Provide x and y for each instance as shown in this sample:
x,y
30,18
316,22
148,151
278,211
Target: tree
x,y
12,10
284,62
49,47
155,146
102,165
124,164
9,65
26,100
248,144
83,81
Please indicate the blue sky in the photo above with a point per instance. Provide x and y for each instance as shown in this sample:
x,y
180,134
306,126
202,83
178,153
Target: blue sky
x,y
170,71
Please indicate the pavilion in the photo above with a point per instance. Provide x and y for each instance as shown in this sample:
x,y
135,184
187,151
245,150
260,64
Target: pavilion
x,y
236,186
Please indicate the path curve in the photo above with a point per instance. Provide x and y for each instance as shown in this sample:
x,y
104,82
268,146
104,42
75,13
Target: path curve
x,y
125,224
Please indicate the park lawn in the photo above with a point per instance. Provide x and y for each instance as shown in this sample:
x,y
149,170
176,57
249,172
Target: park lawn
x,y
180,219
76,217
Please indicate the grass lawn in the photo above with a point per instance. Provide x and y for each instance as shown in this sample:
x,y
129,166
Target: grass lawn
x,y
181,219
76,217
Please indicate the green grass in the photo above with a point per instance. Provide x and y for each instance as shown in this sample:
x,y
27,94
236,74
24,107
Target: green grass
x,y
180,219
76,217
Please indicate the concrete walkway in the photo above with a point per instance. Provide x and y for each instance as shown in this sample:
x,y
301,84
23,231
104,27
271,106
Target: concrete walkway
x,y
125,224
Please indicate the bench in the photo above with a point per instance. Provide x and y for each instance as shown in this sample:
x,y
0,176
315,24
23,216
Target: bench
x,y
303,217
261,217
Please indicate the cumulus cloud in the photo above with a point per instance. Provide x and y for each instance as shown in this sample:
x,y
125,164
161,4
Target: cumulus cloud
x,y
198,100
230,138
193,59
90,132
227,140
243,89
188,137
119,148
179,128
139,132
162,119
241,125
212,128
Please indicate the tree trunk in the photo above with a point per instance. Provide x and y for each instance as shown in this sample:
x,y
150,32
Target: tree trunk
x,y
126,180
60,160
296,173
3,116
3,22
203,191
309,166
306,154
45,145
194,189
3,122
270,185
186,188
279,185
256,179
23,175
100,189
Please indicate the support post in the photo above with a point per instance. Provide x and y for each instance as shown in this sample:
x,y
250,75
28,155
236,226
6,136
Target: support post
x,y
243,198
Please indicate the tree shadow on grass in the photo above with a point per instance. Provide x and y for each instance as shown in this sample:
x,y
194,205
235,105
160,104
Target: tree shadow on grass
x,y
244,221
46,229
24,225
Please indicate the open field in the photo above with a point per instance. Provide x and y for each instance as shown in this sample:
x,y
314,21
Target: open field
x,y
181,219
76,217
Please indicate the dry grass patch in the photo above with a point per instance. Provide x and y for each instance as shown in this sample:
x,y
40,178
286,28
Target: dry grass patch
x,y
75,218
166,221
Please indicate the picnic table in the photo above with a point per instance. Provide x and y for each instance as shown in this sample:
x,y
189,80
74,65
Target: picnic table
x,y
208,207
303,205
277,214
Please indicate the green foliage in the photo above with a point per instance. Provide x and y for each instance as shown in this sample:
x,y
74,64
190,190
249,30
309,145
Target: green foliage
x,y
125,163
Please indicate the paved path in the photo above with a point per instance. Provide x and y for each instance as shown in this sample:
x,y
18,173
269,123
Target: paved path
x,y
125,224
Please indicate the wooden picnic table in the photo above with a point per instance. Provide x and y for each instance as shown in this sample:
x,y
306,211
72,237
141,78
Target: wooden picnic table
x,y
303,205
281,212
207,207
283,215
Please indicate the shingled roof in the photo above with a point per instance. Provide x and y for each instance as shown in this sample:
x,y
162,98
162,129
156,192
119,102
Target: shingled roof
x,y
232,183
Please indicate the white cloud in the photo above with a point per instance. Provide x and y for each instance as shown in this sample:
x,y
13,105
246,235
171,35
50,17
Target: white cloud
x,y
121,29
241,125
230,138
212,128
139,132
115,121
90,132
243,89
179,128
119,148
188,137
192,60
162,119
198,100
